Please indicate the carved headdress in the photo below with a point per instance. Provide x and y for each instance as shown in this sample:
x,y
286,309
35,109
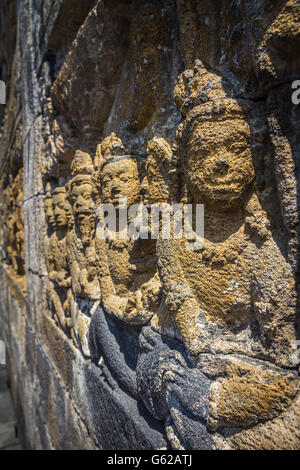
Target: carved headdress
x,y
205,92
59,190
110,150
82,164
202,95
82,170
48,191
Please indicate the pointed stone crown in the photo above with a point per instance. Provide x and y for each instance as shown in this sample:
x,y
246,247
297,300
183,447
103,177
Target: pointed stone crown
x,y
201,92
82,164
110,150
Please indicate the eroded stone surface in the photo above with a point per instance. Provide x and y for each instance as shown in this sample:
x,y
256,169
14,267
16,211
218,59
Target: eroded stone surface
x,y
149,343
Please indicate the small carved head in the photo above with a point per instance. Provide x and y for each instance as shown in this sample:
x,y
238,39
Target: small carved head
x,y
59,202
81,185
119,174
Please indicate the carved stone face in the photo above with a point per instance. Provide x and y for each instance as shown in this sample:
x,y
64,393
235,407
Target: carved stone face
x,y
59,202
49,212
82,195
121,179
219,164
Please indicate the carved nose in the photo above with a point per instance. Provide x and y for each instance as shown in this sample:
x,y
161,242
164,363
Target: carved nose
x,y
221,165
79,203
115,190
144,186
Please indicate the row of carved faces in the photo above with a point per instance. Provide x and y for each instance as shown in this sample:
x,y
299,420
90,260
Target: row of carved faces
x,y
217,165
64,207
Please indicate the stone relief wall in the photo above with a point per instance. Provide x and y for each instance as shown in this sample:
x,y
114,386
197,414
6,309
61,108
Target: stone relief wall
x,y
145,343
13,227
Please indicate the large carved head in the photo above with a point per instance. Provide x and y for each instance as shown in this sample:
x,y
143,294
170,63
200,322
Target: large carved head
x,y
214,140
48,207
119,176
59,202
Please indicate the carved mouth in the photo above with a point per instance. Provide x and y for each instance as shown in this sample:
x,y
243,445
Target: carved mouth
x,y
118,203
221,186
117,198
224,183
83,212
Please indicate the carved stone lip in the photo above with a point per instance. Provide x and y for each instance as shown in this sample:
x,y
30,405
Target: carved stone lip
x,y
224,183
221,186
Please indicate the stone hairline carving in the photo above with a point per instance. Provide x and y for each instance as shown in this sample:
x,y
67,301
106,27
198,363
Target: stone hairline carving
x,y
59,190
113,159
49,191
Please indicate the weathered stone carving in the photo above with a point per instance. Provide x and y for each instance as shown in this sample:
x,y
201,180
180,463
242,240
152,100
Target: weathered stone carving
x,y
48,207
231,300
127,268
58,267
219,172
215,328
71,254
178,343
81,249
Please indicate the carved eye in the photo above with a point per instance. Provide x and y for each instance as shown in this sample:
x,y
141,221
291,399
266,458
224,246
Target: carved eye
x,y
238,147
199,147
